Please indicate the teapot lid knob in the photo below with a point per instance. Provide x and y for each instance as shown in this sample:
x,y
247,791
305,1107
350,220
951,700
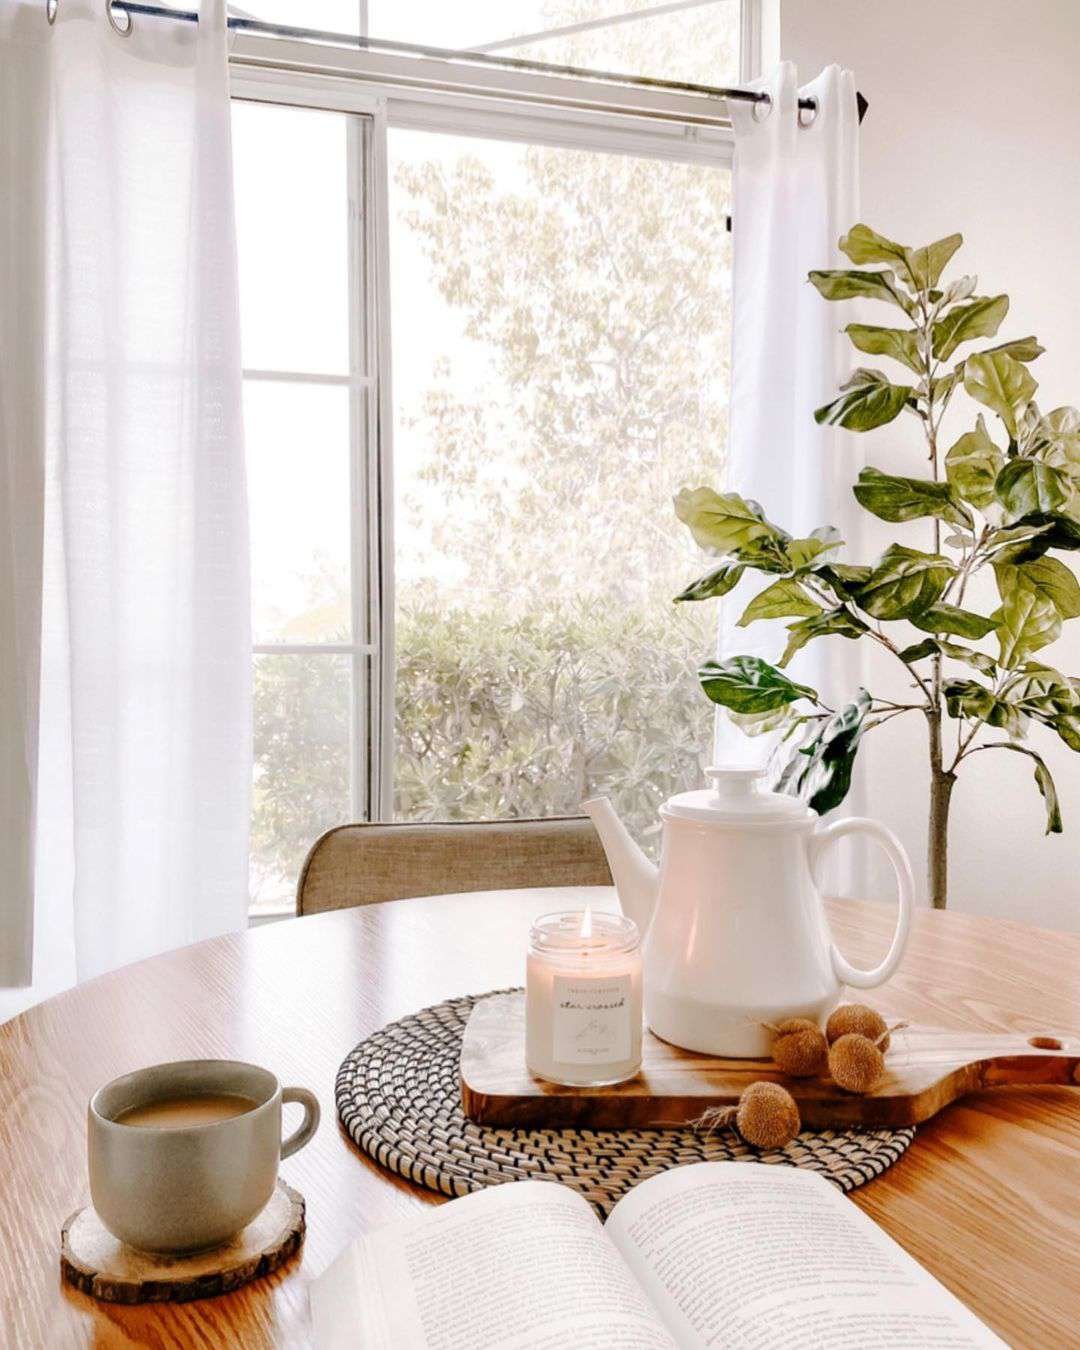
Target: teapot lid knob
x,y
735,784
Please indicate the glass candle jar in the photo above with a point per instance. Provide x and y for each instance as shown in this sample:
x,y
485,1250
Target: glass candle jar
x,y
583,998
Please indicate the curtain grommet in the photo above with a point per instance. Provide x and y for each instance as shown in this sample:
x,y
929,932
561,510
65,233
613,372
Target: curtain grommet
x,y
123,28
763,106
808,116
51,7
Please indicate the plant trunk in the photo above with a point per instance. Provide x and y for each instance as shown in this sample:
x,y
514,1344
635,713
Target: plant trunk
x,y
937,843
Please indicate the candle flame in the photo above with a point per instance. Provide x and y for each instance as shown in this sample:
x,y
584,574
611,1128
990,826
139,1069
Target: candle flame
x,y
586,922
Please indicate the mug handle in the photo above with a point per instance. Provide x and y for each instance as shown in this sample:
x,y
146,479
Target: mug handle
x,y
905,886
308,1125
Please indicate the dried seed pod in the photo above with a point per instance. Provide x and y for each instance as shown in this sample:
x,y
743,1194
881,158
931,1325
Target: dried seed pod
x,y
799,1048
857,1018
767,1116
856,1064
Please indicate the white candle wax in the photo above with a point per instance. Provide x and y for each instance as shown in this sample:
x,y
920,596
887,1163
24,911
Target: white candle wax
x,y
583,1016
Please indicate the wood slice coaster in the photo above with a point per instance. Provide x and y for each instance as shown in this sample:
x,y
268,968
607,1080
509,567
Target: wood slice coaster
x,y
98,1264
926,1068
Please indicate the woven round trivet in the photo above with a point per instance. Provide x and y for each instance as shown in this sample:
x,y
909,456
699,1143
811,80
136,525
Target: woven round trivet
x,y
399,1097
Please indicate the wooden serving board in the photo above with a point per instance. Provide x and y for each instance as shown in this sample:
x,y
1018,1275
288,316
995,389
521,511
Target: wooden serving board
x,y
926,1068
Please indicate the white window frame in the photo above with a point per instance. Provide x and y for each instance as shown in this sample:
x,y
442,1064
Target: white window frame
x,y
371,91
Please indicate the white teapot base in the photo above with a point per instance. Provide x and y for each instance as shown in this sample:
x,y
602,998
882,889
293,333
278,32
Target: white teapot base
x,y
725,1031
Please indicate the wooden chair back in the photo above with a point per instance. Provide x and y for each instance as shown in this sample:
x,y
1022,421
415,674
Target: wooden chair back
x,y
364,864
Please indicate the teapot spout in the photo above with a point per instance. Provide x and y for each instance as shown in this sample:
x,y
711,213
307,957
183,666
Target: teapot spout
x,y
636,879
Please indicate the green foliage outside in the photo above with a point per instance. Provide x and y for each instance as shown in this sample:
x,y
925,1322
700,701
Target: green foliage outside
x,y
539,658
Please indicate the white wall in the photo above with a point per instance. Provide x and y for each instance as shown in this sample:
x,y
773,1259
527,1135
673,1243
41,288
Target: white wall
x,y
974,125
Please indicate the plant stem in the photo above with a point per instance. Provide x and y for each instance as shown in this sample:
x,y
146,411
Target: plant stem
x,y
942,781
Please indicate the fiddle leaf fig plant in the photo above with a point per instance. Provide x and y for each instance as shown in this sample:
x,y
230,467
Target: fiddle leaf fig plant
x,y
1002,499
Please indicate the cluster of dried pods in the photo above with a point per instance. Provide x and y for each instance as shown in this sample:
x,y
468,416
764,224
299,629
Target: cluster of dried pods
x,y
851,1050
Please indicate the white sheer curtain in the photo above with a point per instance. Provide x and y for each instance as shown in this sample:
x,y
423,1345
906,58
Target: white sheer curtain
x,y
795,192
123,449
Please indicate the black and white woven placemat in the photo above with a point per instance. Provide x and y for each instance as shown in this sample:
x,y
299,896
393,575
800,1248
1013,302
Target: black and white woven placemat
x,y
399,1097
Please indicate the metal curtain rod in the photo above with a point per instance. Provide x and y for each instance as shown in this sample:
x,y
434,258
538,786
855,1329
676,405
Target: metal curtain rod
x,y
247,25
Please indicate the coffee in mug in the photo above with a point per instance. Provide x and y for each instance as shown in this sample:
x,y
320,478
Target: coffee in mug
x,y
182,1156
172,1113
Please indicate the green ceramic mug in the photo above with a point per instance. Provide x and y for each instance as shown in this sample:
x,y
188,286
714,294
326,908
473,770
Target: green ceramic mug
x,y
182,1156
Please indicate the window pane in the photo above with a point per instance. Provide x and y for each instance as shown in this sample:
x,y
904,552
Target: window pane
x,y
334,16
302,729
561,323
700,45
298,486
696,43
292,227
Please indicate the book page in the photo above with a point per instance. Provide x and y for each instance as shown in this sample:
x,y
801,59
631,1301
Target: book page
x,y
772,1258
521,1266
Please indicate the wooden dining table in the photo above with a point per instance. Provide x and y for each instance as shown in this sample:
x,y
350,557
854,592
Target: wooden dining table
x,y
986,1197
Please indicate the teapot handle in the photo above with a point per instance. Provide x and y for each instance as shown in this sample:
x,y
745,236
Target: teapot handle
x,y
905,886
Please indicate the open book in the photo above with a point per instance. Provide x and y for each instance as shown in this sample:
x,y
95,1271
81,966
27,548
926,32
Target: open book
x,y
712,1254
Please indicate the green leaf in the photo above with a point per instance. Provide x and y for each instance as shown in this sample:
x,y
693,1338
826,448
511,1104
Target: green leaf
x,y
920,267
1055,438
1047,577
1001,383
1020,349
1017,543
985,665
927,264
905,582
1067,726
768,554
1058,530
863,245
1028,486
973,464
969,698
760,724
980,318
963,288
1041,692
919,651
717,582
899,343
943,618
1043,780
747,684
1026,621
833,622
844,578
846,285
782,600
721,521
819,771
805,552
899,499
869,400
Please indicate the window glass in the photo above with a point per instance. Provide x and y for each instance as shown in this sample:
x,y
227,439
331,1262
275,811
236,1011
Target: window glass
x,y
560,328
301,784
698,42
292,222
298,488
292,225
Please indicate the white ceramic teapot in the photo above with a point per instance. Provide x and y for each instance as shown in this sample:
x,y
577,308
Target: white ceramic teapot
x,y
736,934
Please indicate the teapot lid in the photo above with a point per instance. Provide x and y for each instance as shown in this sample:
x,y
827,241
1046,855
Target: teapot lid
x,y
737,797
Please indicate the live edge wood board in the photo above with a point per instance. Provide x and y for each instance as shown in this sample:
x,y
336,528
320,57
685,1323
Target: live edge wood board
x,y
927,1068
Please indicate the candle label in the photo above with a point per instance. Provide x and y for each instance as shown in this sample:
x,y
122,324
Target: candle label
x,y
591,1022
